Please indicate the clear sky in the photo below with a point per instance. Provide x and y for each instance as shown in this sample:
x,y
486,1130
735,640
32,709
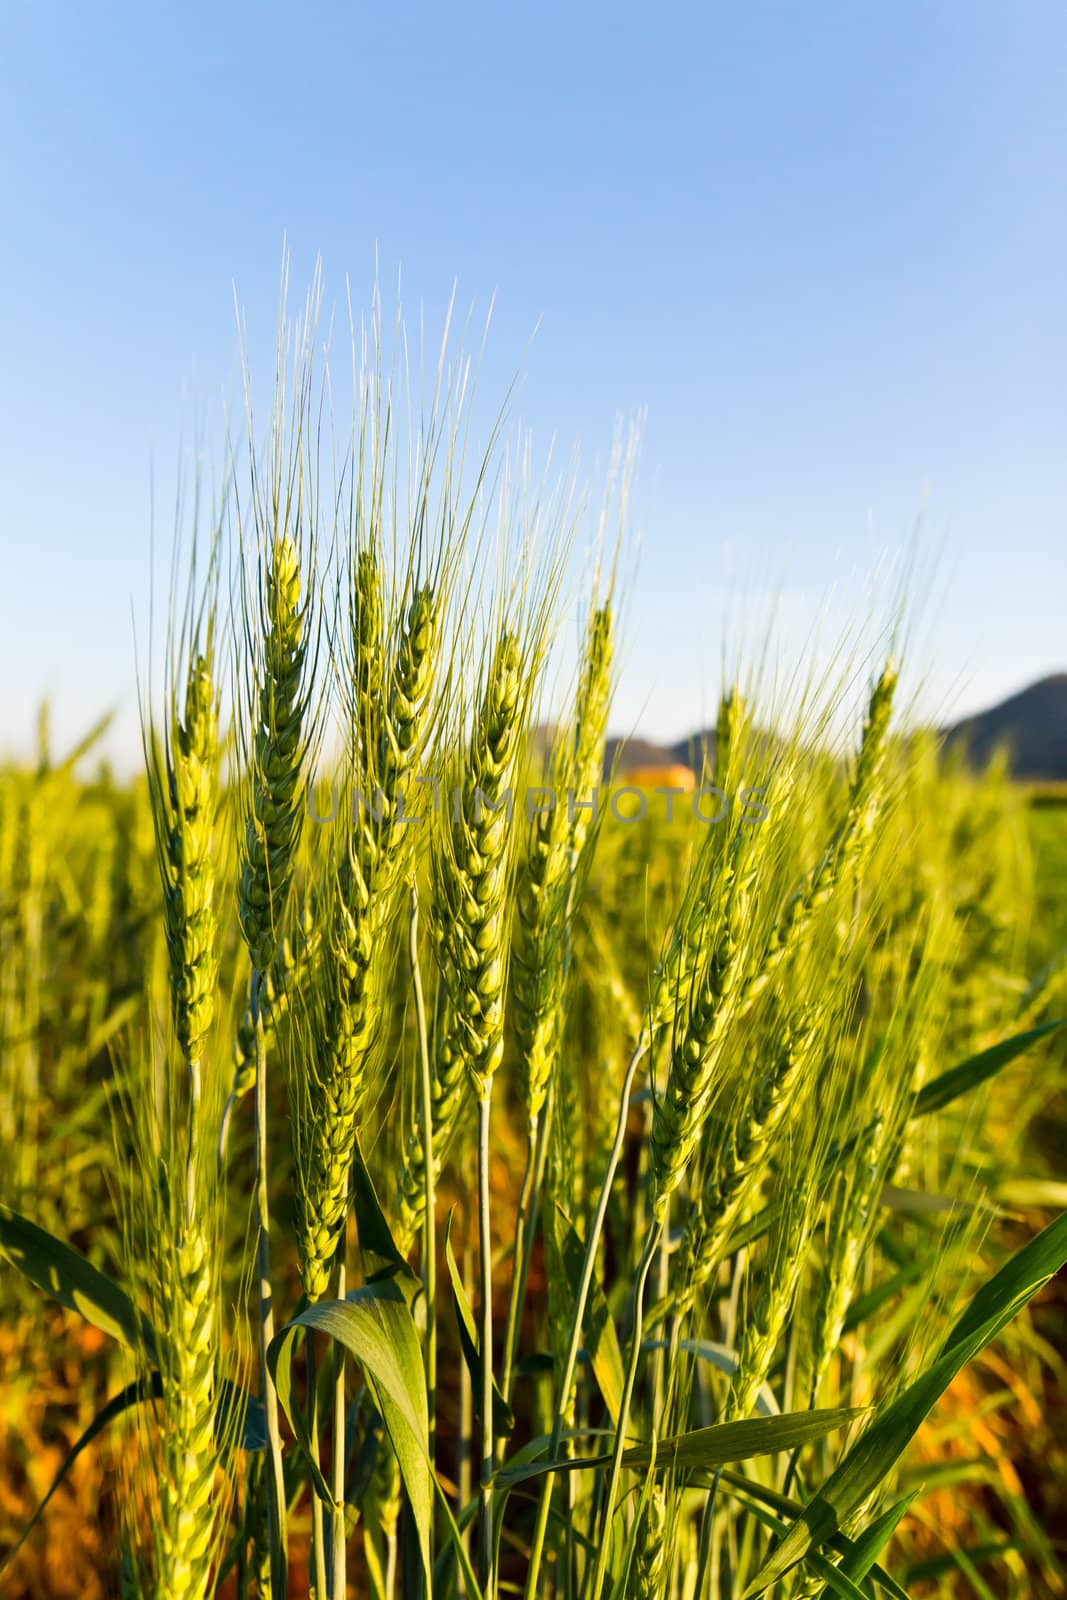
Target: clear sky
x,y
823,245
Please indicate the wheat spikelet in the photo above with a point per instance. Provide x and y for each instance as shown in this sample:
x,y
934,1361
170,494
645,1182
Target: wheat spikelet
x,y
279,715
184,800
730,726
651,1549
548,880
367,636
676,968
182,785
290,972
471,867
451,1092
276,731
735,1167
880,1091
591,717
470,878
851,1213
538,970
767,1311
382,1512
189,1453
172,1228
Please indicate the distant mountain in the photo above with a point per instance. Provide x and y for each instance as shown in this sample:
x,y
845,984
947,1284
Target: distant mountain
x,y
1031,724
647,755
633,753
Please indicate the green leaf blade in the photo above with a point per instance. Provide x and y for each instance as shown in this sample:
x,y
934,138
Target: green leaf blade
x,y
975,1070
66,1275
375,1326
877,1450
503,1417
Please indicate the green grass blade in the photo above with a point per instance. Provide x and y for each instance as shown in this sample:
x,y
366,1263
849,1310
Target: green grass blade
x,y
702,1448
876,1451
724,1442
868,1546
967,1075
602,1341
757,1498
836,1579
503,1419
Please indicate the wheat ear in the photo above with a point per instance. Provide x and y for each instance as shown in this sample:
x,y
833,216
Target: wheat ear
x,y
768,1310
363,900
548,879
279,714
190,1455
676,968
469,911
184,800
651,1552
186,828
735,1164
289,975
275,813
847,845
682,1109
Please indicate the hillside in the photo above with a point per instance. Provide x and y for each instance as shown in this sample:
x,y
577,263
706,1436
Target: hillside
x,y
1032,723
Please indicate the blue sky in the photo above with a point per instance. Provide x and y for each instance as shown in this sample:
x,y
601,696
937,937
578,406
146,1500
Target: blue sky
x,y
822,246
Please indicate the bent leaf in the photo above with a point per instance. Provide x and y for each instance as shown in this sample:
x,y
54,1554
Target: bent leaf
x,y
380,1252
868,1546
836,1579
375,1326
724,1442
757,1497
66,1275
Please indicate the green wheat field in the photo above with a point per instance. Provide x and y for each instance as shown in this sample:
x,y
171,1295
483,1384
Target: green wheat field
x,y
429,1170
